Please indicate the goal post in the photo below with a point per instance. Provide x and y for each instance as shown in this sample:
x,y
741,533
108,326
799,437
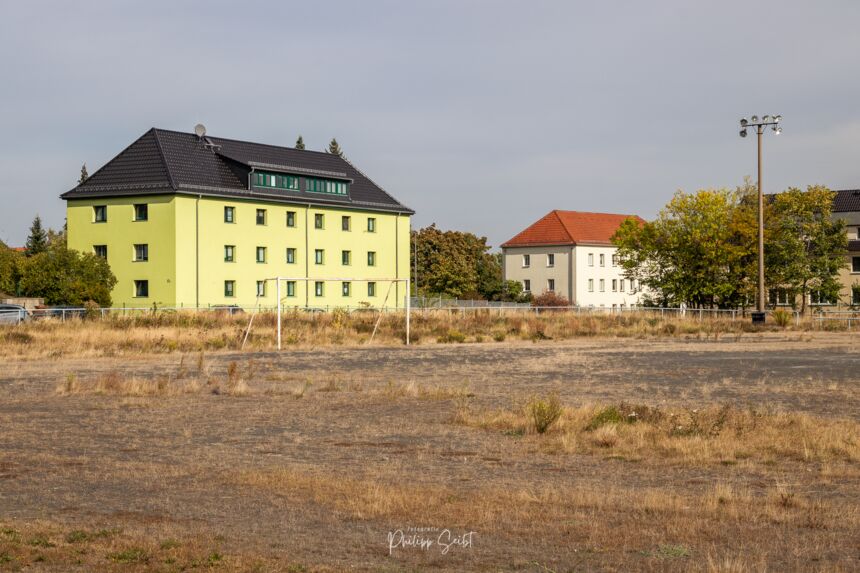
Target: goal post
x,y
308,280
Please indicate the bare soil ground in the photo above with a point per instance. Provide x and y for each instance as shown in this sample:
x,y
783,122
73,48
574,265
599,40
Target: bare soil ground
x,y
309,459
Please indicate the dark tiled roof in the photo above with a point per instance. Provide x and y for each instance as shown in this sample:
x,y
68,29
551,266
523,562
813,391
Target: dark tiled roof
x,y
171,161
846,200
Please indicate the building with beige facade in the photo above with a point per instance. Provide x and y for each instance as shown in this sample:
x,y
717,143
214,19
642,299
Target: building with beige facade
x,y
571,253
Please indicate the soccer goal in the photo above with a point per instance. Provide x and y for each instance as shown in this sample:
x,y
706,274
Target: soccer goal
x,y
307,280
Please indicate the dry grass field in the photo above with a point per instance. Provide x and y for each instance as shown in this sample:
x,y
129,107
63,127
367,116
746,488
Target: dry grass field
x,y
651,450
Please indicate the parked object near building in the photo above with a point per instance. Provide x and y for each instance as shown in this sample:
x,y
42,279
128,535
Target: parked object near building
x,y
28,303
571,253
187,220
13,314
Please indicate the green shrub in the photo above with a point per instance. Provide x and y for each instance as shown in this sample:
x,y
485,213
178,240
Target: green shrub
x,y
609,415
132,555
544,412
499,336
453,335
782,317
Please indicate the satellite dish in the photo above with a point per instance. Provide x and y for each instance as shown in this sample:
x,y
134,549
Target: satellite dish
x,y
200,130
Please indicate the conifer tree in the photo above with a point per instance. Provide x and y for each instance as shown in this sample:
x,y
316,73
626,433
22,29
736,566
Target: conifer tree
x,y
300,142
37,241
334,148
84,174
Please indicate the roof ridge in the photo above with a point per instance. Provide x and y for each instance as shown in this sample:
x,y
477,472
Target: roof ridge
x,y
112,159
164,159
247,142
378,186
563,226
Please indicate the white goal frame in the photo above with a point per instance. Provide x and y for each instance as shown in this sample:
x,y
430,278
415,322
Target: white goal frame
x,y
307,280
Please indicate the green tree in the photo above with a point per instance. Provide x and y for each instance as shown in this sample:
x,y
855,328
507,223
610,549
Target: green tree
x,y
37,241
84,175
65,277
334,148
9,264
807,247
455,264
300,142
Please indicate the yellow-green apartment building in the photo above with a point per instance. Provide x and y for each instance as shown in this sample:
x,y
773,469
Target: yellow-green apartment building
x,y
198,221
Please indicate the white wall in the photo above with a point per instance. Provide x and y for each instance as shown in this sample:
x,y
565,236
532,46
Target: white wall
x,y
584,272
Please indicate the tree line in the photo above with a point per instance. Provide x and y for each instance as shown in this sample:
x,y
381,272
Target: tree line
x,y
702,249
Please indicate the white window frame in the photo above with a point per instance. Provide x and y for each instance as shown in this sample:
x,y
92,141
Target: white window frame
x,y
527,261
550,259
590,259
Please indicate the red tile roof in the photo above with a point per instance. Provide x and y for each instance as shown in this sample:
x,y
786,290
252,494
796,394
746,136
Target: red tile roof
x,y
570,228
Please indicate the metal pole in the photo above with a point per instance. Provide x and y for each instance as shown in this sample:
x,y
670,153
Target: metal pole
x,y
278,280
761,299
408,308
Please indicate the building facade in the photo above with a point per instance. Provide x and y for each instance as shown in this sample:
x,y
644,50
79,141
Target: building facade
x,y
846,206
571,253
196,221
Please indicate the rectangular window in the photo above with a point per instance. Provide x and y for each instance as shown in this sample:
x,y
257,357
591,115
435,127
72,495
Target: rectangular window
x,y
590,285
527,261
229,214
261,216
602,260
141,253
141,212
855,295
319,221
291,218
319,288
602,285
621,285
291,288
590,259
276,181
229,288
371,224
100,213
550,285
325,186
319,256
371,258
100,251
345,223
527,285
229,253
614,285
345,288
855,264
141,289
371,289
261,288
550,260
614,260
261,254
345,257
291,256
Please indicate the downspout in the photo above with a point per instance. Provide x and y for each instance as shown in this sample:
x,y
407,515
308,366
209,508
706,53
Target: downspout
x,y
307,261
397,258
197,251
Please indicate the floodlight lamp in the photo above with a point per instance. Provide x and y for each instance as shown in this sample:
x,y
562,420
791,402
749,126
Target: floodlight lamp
x,y
776,118
777,129
744,122
766,118
743,133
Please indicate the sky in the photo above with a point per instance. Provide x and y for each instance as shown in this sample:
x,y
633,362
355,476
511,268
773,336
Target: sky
x,y
482,116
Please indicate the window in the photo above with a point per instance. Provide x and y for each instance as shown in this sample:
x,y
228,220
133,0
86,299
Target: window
x,y
229,288
345,288
325,186
550,260
855,264
855,295
141,212
527,285
229,253
590,285
141,289
345,257
141,253
818,297
550,285
291,288
319,256
229,214
614,285
319,221
319,288
371,224
602,260
276,181
602,285
527,261
371,258
590,259
371,289
779,297
632,285
621,285
261,216
345,223
100,213
291,255
100,251
291,218
261,288
261,254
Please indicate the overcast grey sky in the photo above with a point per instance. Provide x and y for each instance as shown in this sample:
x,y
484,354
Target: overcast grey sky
x,y
480,115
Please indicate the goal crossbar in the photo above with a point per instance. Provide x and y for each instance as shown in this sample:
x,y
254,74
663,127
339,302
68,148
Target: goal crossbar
x,y
279,280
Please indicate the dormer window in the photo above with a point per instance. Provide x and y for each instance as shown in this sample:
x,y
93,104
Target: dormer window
x,y
274,181
325,186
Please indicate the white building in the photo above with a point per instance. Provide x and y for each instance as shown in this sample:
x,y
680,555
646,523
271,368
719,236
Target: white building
x,y
571,253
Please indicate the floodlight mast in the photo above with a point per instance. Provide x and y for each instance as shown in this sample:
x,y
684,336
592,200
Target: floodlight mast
x,y
760,126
